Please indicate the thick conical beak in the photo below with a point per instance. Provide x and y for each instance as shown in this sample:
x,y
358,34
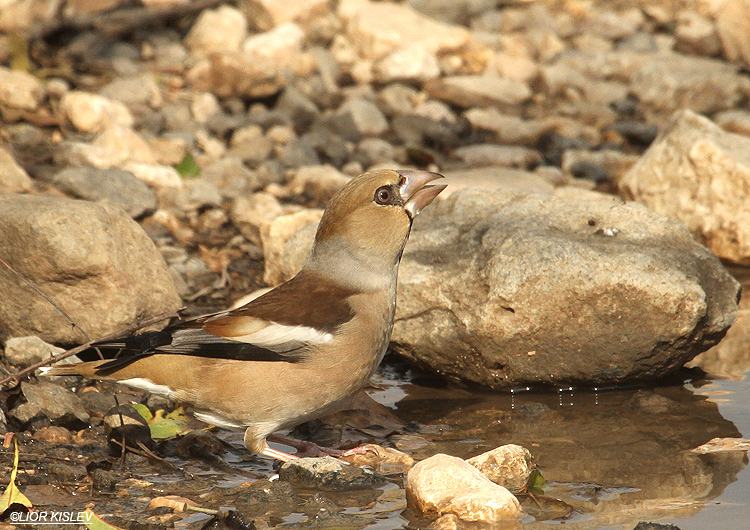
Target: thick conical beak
x,y
415,192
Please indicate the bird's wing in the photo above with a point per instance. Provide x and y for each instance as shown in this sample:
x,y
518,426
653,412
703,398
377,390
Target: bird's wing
x,y
280,326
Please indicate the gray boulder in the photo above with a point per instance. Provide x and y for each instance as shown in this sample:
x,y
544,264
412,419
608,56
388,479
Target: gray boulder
x,y
92,259
508,289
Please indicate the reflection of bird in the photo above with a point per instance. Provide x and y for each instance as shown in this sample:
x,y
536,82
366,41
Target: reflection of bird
x,y
302,349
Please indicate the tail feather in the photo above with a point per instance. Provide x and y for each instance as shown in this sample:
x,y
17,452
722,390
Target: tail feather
x,y
86,369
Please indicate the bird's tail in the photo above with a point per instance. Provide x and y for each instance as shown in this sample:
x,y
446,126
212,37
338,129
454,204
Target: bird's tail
x,y
117,353
86,369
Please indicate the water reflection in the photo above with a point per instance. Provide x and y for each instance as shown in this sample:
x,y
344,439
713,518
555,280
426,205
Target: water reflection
x,y
617,456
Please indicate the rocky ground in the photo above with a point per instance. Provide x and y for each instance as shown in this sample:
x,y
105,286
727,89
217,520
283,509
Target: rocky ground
x,y
212,134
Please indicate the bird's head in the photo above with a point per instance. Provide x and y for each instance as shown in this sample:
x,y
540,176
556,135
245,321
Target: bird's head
x,y
367,223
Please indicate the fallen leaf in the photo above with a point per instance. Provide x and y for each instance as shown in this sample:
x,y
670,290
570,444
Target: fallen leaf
x,y
170,426
164,427
143,410
12,495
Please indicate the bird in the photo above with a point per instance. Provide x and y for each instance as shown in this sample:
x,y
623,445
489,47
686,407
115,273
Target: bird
x,y
302,349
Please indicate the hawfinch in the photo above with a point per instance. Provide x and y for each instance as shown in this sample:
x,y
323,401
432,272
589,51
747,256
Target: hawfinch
x,y
301,350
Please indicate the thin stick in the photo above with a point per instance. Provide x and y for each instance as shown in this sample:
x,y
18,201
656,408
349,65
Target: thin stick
x,y
44,295
78,349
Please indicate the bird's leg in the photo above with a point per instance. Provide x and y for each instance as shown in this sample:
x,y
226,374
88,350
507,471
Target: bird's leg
x,y
258,445
278,455
305,448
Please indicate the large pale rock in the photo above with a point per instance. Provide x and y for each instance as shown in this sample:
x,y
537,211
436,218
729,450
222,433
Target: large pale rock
x,y
699,174
445,484
508,289
379,28
93,260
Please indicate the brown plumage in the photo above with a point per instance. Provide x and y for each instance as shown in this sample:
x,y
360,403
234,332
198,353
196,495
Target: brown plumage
x,y
302,349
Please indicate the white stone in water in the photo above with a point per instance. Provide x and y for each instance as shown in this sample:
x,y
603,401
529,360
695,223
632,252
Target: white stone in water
x,y
444,484
509,465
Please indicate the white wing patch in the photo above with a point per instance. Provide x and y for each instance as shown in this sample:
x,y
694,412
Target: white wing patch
x,y
145,384
281,338
216,420
278,338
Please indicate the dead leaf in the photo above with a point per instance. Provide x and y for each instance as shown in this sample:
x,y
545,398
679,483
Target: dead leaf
x,y
12,495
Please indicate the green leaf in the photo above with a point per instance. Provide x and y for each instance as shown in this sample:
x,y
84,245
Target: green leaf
x,y
170,426
536,483
164,427
12,494
188,167
94,522
143,411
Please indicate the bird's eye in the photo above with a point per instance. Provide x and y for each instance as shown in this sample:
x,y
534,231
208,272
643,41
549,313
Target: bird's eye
x,y
383,195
